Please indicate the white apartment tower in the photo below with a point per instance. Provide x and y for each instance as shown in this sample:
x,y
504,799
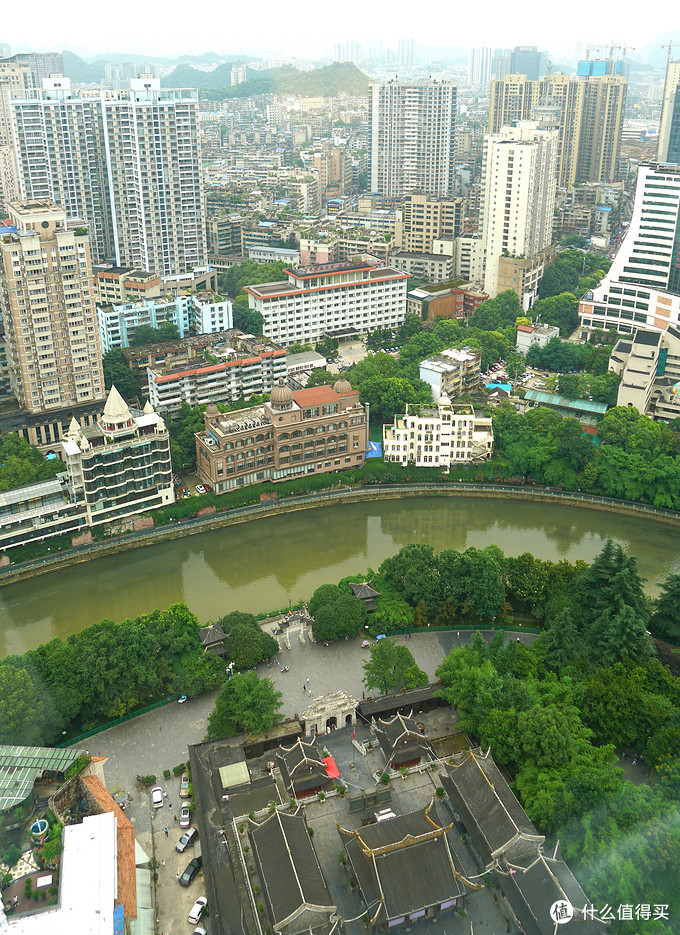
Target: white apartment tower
x,y
642,287
479,66
518,196
126,162
413,128
15,77
47,305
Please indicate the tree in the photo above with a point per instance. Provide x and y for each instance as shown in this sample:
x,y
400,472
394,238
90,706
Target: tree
x,y
562,640
246,702
21,712
391,666
665,620
246,643
117,372
21,464
145,334
325,594
344,617
485,588
413,573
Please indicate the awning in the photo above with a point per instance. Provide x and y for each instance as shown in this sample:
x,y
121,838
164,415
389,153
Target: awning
x,y
331,768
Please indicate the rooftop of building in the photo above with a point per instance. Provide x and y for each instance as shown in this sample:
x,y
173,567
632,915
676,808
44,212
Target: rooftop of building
x,y
450,358
202,366
563,402
20,767
232,336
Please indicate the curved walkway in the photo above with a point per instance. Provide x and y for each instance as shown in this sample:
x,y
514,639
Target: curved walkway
x,y
315,500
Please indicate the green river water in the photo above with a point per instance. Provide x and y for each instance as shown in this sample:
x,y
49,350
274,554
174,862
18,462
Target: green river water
x,y
263,564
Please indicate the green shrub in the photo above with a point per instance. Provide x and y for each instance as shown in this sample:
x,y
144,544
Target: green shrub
x,y
179,768
11,855
166,774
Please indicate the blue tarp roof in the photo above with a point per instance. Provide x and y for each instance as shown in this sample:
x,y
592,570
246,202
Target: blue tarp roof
x,y
504,386
563,402
374,450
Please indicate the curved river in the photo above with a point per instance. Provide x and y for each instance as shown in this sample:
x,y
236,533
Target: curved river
x,y
263,564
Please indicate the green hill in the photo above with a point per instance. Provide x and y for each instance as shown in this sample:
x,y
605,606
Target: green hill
x,y
322,82
77,69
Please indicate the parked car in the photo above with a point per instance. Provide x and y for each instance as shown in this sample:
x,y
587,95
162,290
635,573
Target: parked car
x,y
192,869
200,488
200,931
187,839
208,488
184,786
157,797
184,817
197,910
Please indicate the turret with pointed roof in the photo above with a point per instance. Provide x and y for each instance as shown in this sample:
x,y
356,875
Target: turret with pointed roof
x,y
116,413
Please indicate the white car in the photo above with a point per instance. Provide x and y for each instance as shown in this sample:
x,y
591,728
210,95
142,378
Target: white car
x,y
200,488
197,909
157,797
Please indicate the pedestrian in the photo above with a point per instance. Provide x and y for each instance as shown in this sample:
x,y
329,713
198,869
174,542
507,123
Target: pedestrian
x,y
177,877
634,761
176,819
304,687
458,634
170,805
166,832
162,863
308,680
623,754
363,695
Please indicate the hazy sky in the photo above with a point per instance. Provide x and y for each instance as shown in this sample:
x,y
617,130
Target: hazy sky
x,y
173,27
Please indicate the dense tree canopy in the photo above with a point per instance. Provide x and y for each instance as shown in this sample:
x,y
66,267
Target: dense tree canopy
x,y
244,703
104,672
246,642
21,464
116,371
392,666
145,334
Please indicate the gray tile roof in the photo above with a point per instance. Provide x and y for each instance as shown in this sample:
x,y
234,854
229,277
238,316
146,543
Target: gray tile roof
x,y
494,819
404,865
291,875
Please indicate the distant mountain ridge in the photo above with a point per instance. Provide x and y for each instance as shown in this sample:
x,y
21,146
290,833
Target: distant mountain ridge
x,y
328,81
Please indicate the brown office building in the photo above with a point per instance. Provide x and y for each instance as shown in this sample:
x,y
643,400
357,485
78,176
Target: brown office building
x,y
312,431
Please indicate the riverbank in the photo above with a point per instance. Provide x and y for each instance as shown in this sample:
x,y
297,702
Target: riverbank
x,y
281,559
316,500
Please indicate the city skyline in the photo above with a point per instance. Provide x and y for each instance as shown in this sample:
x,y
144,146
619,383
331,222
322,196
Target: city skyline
x,y
501,28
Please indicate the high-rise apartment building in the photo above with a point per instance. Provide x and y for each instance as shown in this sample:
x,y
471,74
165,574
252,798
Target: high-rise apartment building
x,y
642,287
669,131
519,184
126,162
422,219
413,128
15,77
527,60
406,52
479,66
47,302
41,64
590,109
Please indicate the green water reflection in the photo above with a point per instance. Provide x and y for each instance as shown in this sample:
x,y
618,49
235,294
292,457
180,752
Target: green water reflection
x,y
266,563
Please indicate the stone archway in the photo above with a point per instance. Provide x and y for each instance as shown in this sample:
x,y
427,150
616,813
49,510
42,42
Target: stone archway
x,y
336,707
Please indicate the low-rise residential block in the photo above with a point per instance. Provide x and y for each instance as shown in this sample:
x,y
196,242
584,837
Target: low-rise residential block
x,y
438,436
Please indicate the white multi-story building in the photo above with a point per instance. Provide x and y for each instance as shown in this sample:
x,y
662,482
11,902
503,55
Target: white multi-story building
x,y
121,465
126,162
520,181
47,306
530,335
453,372
479,66
413,128
200,313
230,378
438,436
332,299
642,287
115,468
